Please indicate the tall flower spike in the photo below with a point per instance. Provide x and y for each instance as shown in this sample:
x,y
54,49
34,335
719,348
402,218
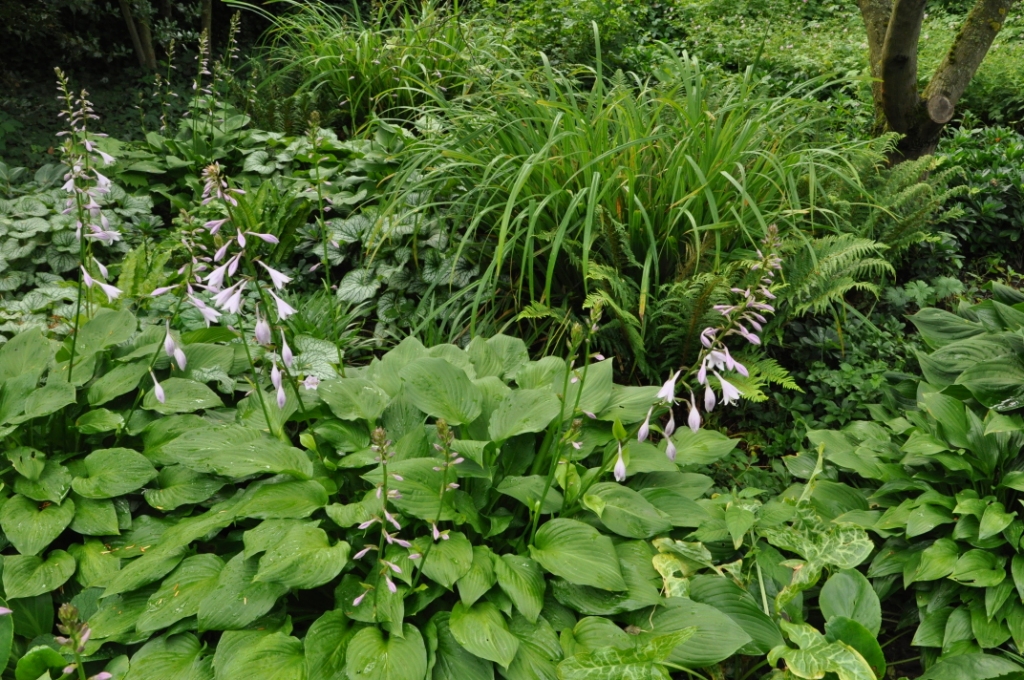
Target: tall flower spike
x,y
619,471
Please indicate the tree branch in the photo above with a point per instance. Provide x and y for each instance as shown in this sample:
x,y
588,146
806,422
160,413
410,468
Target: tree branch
x,y
900,98
876,15
968,50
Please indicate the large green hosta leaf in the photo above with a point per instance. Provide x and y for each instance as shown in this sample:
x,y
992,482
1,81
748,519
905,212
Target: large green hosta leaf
x,y
304,558
441,390
28,575
32,526
578,553
113,472
177,657
235,451
370,657
483,631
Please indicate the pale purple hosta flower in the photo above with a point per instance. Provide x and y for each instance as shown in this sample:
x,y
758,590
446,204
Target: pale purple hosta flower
x,y
221,252
389,517
240,237
670,427
702,374
169,344
667,393
86,279
730,394
707,336
266,238
709,399
233,264
434,531
693,419
363,552
215,225
113,292
670,449
68,670
215,279
645,428
158,390
577,445
368,523
210,315
103,675
286,352
619,471
103,270
279,280
180,358
163,289
356,602
392,566
263,333
391,584
284,310
282,398
590,414
311,382
275,376
4,611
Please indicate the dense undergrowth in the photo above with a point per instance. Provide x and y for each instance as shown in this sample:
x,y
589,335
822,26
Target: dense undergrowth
x,y
527,340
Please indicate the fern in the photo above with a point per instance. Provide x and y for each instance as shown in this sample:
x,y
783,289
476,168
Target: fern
x,y
821,273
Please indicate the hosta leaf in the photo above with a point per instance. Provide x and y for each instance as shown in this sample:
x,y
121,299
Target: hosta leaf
x,y
523,411
98,421
978,568
178,485
235,451
441,390
453,661
325,645
480,578
523,581
181,592
528,491
482,630
113,472
48,399
276,656
578,553
289,499
37,662
848,593
51,485
28,575
419,487
182,396
625,512
371,657
238,599
95,517
31,527
445,562
177,657
973,667
717,636
119,380
739,605
538,651
26,353
303,559
354,398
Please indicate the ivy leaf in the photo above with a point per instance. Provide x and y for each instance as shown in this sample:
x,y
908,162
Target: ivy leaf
x,y
816,656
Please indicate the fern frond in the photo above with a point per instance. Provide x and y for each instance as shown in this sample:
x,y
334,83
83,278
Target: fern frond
x,y
823,271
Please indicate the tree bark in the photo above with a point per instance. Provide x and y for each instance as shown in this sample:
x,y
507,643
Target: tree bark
x,y
146,40
140,52
207,22
894,31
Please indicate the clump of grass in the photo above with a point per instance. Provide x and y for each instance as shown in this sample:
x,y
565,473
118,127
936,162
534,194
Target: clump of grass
x,y
384,65
565,190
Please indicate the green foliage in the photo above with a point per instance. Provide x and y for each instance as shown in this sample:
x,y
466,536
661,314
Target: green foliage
x,y
943,452
39,248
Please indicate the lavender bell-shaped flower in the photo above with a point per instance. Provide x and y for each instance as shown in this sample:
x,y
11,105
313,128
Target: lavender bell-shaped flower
x,y
667,393
158,390
619,471
709,399
670,449
263,334
286,352
645,428
730,394
693,419
670,427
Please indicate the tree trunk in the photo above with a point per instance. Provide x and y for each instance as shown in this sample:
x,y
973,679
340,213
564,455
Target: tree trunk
x,y
146,40
140,52
894,30
207,21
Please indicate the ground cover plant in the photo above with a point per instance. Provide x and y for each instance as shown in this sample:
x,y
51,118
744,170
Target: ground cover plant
x,y
523,340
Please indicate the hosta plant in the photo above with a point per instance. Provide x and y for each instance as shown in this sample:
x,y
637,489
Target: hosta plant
x,y
945,455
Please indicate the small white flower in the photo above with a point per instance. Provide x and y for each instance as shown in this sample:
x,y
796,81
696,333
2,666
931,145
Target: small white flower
x,y
279,280
275,376
311,382
160,291
263,334
169,345
113,292
730,394
284,310
103,270
281,398
645,428
266,238
158,390
286,352
619,471
670,449
667,392
693,420
709,399
670,427
86,279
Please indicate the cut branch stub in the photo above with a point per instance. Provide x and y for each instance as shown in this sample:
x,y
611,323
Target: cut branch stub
x,y
940,109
